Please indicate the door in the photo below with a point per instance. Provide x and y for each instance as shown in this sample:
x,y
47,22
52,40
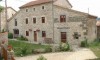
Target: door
x,y
63,37
16,33
35,36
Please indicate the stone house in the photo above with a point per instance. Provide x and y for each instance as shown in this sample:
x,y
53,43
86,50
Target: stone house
x,y
10,13
45,20
98,27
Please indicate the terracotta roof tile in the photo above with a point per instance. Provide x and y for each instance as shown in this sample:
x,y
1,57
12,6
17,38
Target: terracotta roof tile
x,y
32,3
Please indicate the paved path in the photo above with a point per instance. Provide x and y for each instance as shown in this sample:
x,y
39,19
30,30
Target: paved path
x,y
82,54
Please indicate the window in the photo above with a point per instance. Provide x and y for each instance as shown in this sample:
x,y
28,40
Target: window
x,y
34,20
26,10
43,19
16,31
63,18
27,33
76,35
26,20
63,37
34,9
15,22
43,34
42,7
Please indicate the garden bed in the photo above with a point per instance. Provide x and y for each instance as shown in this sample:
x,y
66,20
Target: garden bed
x,y
22,48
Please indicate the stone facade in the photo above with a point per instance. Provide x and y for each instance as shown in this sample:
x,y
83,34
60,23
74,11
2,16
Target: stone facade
x,y
79,22
10,12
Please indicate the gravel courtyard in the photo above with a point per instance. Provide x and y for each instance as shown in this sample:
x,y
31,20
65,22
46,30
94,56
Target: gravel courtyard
x,y
82,54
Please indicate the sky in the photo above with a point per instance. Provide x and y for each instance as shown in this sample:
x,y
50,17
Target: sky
x,y
93,6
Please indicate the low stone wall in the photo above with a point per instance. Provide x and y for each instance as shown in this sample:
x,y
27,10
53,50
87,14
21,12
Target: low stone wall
x,y
4,38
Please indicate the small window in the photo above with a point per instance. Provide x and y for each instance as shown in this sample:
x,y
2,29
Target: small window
x,y
63,18
42,7
27,33
43,19
34,9
76,36
15,22
26,20
34,20
26,10
43,34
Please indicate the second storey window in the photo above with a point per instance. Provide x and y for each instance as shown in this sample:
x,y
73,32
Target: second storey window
x,y
27,33
43,19
43,34
34,20
15,22
26,20
26,10
63,18
42,7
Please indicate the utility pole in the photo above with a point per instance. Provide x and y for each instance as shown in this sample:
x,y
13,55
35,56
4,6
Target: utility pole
x,y
6,26
53,19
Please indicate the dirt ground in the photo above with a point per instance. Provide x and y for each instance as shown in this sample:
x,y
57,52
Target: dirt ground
x,y
82,54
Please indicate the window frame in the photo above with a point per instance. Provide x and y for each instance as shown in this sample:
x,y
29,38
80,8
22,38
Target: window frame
x,y
26,20
62,18
15,22
34,20
43,33
27,33
43,19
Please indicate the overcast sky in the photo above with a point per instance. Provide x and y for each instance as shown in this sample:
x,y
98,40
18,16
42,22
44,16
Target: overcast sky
x,y
79,5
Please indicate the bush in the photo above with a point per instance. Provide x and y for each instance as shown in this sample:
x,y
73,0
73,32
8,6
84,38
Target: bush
x,y
48,49
22,38
41,58
84,43
64,47
10,35
24,51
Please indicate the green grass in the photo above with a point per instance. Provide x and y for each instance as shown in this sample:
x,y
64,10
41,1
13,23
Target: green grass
x,y
19,45
95,47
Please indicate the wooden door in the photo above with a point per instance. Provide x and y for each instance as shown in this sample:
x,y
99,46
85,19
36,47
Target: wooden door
x,y
63,37
35,36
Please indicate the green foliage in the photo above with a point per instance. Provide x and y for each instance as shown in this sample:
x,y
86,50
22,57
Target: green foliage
x,y
10,35
24,50
41,58
48,49
22,38
3,30
1,8
20,46
84,43
64,47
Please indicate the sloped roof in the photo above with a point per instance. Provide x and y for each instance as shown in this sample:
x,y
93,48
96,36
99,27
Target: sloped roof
x,y
32,3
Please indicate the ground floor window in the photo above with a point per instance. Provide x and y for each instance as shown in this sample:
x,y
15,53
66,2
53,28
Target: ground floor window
x,y
63,37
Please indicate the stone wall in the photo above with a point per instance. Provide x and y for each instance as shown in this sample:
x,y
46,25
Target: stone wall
x,y
4,38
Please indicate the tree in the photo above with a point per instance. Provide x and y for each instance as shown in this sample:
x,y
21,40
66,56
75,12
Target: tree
x,y
1,8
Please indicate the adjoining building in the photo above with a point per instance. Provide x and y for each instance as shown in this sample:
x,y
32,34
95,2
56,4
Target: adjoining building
x,y
43,21
10,13
98,27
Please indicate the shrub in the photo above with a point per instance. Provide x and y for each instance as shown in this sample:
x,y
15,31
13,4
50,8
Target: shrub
x,y
64,47
10,35
48,49
84,43
22,38
41,58
24,51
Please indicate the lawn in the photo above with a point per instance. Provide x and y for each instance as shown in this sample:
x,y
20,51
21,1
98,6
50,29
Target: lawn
x,y
95,47
21,47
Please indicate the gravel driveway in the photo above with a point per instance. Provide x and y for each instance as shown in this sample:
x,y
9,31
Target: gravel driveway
x,y
81,54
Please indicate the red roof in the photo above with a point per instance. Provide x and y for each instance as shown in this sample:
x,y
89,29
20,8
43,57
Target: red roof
x,y
32,3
